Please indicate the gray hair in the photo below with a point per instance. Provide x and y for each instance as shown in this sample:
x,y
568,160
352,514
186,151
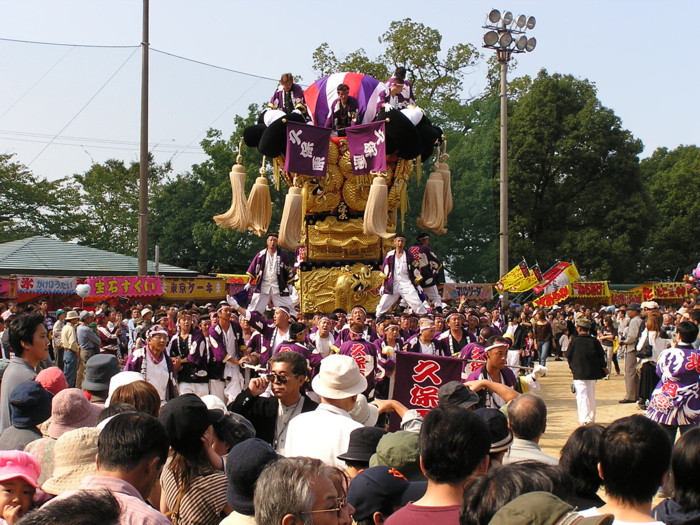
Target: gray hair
x,y
286,487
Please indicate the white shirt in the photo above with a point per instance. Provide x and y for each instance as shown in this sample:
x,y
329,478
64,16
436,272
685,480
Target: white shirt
x,y
284,417
323,345
593,511
158,375
323,434
400,269
269,277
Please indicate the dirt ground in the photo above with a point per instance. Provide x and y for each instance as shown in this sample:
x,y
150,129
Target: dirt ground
x,y
562,417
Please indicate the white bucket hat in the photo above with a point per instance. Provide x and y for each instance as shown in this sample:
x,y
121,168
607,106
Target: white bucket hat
x,y
339,378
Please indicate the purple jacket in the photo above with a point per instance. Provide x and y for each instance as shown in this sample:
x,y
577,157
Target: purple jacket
x,y
261,343
313,358
676,398
284,271
343,336
413,345
388,270
218,350
365,355
297,99
197,354
486,397
336,119
401,101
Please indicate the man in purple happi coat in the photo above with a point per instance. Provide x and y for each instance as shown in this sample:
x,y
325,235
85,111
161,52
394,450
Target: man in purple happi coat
x,y
365,355
401,277
227,351
289,97
270,333
356,323
399,92
345,111
271,274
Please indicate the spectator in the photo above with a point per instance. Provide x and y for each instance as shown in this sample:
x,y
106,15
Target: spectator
x,y
31,406
30,343
378,491
192,489
683,507
527,418
142,395
634,456
296,489
18,482
52,379
587,363
454,445
99,370
399,450
629,340
543,508
89,343
131,451
363,444
579,457
501,436
71,348
288,375
82,509
325,432
487,493
74,458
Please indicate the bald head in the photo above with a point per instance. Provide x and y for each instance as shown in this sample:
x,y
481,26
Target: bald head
x,y
527,417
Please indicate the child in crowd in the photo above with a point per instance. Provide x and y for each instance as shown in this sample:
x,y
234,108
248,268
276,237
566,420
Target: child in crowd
x,y
528,352
19,472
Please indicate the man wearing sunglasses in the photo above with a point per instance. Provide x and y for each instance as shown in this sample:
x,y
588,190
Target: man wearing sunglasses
x,y
271,415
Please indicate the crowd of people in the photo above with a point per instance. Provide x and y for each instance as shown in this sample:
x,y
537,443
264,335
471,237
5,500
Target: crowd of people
x,y
233,413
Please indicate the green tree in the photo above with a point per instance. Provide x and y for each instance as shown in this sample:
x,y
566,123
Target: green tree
x,y
191,238
670,178
105,201
436,76
28,205
574,181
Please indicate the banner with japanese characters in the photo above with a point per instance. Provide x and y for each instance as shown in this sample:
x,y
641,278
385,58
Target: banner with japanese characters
x,y
418,378
566,277
550,299
45,284
130,286
550,275
472,291
590,289
529,282
367,146
513,277
181,289
307,149
620,297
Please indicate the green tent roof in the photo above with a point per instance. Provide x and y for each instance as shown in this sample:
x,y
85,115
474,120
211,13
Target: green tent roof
x,y
45,256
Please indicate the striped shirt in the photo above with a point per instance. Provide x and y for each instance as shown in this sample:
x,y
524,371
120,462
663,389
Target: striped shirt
x,y
204,500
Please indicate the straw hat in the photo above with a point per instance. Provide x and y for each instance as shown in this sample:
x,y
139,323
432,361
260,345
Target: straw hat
x,y
74,459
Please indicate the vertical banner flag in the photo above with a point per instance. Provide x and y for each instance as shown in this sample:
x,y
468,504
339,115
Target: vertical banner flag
x,y
549,276
307,149
567,276
513,277
418,378
531,280
367,146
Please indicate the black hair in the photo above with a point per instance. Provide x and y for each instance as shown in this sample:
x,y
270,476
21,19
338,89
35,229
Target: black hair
x,y
694,315
687,331
484,495
453,442
400,73
129,438
580,457
297,361
82,508
685,465
527,416
22,330
634,456
113,409
295,329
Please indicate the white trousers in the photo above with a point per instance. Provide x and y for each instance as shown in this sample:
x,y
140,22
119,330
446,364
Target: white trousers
x,y
216,388
433,295
513,360
260,301
199,389
404,291
585,400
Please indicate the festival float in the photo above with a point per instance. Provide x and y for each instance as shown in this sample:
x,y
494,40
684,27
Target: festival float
x,y
347,195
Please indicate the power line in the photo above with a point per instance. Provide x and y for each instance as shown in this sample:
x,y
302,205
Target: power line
x,y
213,65
64,44
84,139
84,106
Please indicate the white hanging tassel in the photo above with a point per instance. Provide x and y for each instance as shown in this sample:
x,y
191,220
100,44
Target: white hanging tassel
x,y
237,216
292,218
260,204
377,209
432,215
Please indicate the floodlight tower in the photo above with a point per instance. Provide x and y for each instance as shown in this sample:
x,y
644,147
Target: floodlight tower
x,y
506,35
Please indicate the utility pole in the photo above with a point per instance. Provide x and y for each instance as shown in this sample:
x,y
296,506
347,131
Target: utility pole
x,y
143,172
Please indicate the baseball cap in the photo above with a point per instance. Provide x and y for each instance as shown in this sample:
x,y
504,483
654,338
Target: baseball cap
x,y
456,394
18,464
377,488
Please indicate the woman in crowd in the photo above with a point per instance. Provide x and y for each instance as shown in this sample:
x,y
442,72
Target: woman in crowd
x,y
649,347
543,335
579,457
606,336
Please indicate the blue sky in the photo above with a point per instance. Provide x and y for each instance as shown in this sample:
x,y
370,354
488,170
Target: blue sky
x,y
638,53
